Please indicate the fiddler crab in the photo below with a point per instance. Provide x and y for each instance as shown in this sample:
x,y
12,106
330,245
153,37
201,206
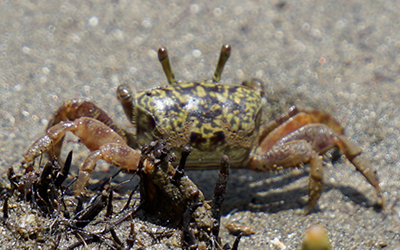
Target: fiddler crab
x,y
213,119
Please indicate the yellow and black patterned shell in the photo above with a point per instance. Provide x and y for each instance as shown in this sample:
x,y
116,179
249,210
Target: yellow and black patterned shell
x,y
213,119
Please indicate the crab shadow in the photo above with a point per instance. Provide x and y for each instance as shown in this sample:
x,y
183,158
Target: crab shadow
x,y
270,192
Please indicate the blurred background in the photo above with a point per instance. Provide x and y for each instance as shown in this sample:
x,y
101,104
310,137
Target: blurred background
x,y
338,56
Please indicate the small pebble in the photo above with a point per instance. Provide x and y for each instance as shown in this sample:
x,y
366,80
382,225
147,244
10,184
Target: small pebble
x,y
236,228
93,21
194,8
146,24
196,53
217,12
316,238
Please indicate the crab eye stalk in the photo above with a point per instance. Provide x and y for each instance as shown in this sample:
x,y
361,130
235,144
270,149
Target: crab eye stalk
x,y
164,60
127,99
223,57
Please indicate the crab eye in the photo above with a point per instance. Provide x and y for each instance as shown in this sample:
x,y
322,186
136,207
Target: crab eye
x,y
124,93
255,84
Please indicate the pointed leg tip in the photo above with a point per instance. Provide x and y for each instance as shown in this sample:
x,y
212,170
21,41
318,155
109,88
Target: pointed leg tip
x,y
380,203
307,211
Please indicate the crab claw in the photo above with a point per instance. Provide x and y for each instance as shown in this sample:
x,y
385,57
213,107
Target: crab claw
x,y
103,141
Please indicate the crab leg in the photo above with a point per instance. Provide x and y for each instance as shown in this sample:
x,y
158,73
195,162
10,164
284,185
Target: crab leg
x,y
308,116
292,154
117,154
296,141
105,143
76,108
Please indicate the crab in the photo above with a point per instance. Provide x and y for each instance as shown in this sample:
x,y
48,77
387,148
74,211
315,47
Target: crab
x,y
212,119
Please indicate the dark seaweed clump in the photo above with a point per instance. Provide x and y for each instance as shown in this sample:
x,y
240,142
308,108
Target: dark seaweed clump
x,y
38,210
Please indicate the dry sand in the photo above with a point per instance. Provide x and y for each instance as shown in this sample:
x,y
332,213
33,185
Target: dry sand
x,y
339,56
